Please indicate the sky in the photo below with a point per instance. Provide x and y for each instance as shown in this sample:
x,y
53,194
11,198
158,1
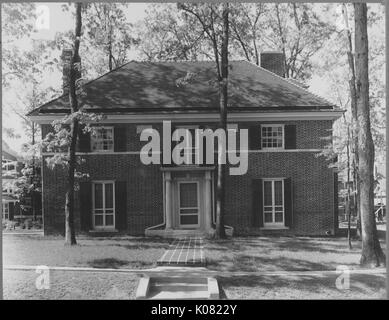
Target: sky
x,y
50,20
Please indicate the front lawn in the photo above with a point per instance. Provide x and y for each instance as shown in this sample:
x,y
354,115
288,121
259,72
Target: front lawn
x,y
261,254
127,252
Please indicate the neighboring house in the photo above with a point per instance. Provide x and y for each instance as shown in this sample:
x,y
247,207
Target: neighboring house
x,y
10,172
287,188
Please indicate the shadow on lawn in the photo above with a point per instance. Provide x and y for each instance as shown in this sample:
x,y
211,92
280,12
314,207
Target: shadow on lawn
x,y
113,263
284,243
246,263
363,284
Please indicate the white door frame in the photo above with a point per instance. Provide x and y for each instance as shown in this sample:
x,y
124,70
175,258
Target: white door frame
x,y
273,223
104,226
188,226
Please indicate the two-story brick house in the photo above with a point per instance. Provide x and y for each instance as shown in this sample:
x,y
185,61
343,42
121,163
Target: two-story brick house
x,y
286,188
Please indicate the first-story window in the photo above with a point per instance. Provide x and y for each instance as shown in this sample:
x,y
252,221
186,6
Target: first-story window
x,y
104,205
102,139
273,202
272,136
5,210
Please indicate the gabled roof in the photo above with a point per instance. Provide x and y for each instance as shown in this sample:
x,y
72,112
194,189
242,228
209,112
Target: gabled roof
x,y
141,87
8,153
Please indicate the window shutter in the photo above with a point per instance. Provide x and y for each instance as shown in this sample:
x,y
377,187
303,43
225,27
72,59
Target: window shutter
x,y
336,201
290,136
11,210
288,202
85,196
255,137
257,202
84,144
120,139
121,205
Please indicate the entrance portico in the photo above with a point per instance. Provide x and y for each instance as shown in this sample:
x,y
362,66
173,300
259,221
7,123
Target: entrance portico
x,y
188,198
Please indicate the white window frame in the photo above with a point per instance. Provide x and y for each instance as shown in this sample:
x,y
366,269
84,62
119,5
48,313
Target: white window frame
x,y
273,125
95,140
5,214
103,227
273,224
184,226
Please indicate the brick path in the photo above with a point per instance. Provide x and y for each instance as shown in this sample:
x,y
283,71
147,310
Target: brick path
x,y
184,252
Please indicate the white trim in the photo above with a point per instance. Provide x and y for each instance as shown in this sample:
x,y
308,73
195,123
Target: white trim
x,y
273,224
188,226
273,125
207,117
103,227
47,154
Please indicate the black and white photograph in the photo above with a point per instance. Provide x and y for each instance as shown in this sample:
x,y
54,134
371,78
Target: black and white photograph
x,y
193,151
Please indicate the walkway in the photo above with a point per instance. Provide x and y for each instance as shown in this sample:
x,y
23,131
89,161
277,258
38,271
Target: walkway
x,y
184,252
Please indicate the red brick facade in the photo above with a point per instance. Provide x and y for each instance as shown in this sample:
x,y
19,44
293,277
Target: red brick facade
x,y
312,184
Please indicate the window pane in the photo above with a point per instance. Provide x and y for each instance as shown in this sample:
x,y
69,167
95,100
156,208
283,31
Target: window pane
x,y
98,220
109,220
188,195
109,195
267,193
188,219
188,211
268,217
98,195
278,216
278,192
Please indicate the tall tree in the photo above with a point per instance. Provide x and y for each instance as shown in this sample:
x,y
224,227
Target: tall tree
x,y
214,21
75,67
372,254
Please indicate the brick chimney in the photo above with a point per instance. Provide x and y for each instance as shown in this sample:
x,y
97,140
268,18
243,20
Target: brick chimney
x,y
66,57
274,62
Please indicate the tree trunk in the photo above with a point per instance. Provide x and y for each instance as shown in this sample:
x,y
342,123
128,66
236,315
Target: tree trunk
x,y
348,211
221,167
354,120
70,234
372,254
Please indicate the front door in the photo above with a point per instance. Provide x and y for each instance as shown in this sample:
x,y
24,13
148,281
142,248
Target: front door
x,y
188,204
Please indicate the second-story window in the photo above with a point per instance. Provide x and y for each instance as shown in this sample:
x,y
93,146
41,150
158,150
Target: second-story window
x,y
102,140
272,136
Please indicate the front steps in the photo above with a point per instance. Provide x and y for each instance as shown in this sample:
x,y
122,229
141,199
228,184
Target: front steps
x,y
177,287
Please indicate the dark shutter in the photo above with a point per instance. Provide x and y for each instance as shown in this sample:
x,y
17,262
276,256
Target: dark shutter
x,y
121,205
85,196
336,201
288,202
257,203
11,210
255,137
83,140
290,136
120,139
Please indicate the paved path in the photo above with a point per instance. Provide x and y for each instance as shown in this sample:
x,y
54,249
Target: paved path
x,y
184,252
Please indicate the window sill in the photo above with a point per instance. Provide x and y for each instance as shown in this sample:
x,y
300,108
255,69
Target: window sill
x,y
103,230
274,228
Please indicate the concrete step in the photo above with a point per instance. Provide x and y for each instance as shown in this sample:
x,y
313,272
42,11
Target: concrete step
x,y
174,295
182,287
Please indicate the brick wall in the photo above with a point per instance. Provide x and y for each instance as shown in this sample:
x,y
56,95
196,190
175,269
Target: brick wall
x,y
312,183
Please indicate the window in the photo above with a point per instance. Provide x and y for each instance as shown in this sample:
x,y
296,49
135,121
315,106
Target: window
x,y
190,137
104,205
273,202
272,136
6,211
102,139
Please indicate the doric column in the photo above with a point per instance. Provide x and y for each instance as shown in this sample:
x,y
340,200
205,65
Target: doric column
x,y
168,200
208,201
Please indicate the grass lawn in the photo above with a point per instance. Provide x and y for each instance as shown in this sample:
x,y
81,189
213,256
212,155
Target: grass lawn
x,y
282,254
70,285
128,252
242,254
